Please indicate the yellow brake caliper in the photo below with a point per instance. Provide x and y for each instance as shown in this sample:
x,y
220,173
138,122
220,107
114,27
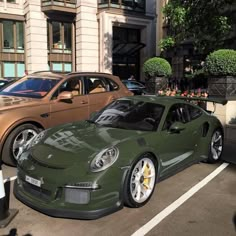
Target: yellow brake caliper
x,y
146,173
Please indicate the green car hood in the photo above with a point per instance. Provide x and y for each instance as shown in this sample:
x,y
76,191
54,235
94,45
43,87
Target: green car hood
x,y
77,143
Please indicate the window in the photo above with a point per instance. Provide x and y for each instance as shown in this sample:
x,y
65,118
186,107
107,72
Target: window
x,y
134,5
13,69
73,85
60,66
60,46
61,37
194,112
19,36
97,85
172,117
128,114
30,87
8,38
13,36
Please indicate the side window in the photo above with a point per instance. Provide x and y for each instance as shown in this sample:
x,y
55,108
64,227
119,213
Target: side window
x,y
173,115
97,85
112,85
73,85
194,112
184,113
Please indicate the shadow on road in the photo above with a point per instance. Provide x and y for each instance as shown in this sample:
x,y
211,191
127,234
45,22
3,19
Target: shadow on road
x,y
234,221
229,153
13,232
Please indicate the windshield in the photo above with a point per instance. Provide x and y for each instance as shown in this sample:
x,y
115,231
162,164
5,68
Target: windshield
x,y
32,87
131,115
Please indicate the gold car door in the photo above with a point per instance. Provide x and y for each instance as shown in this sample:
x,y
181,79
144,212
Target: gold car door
x,y
77,108
100,93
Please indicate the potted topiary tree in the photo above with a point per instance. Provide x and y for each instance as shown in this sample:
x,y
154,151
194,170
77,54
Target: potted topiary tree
x,y
220,67
156,70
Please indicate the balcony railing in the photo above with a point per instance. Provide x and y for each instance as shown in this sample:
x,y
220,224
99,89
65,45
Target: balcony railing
x,y
59,5
130,5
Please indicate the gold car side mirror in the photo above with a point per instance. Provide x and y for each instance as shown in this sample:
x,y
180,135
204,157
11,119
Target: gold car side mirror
x,y
65,96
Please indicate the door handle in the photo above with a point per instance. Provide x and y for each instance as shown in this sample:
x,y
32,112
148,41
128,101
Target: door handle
x,y
83,102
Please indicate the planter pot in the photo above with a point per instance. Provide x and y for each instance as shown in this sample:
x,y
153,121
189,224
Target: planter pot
x,y
222,87
154,84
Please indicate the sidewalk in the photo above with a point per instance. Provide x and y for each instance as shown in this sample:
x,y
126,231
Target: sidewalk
x,y
229,153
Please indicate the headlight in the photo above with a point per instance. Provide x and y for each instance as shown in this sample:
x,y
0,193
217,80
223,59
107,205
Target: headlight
x,y
36,139
104,159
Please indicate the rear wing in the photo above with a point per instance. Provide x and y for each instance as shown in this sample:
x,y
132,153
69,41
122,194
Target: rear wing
x,y
202,99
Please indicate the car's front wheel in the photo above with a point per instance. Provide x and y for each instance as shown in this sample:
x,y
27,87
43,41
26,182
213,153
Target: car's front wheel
x,y
140,181
17,141
216,146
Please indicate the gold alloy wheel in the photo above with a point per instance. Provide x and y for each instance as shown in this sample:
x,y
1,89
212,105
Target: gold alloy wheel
x,y
21,142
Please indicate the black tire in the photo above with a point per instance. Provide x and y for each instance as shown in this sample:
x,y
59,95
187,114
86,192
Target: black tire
x,y
129,185
216,146
9,153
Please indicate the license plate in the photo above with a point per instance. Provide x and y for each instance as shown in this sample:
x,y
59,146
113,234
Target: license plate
x,y
33,181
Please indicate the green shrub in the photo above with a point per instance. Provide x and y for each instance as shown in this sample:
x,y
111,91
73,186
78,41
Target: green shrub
x,y
221,62
157,66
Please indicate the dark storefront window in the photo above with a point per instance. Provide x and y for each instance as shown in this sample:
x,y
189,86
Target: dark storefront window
x,y
126,52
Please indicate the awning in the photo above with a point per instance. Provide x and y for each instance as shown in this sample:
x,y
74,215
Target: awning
x,y
127,49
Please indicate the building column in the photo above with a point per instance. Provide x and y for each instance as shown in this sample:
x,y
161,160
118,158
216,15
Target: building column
x,y
105,45
35,37
87,36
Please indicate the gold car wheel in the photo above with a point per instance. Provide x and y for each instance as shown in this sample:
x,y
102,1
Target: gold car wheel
x,y
21,141
142,180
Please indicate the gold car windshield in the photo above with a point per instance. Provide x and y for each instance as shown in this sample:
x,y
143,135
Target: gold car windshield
x,y
32,87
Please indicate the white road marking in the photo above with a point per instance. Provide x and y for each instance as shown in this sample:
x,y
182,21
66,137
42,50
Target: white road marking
x,y
10,179
172,207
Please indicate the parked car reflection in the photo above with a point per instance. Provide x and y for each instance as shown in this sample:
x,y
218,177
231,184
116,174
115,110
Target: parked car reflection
x,y
135,87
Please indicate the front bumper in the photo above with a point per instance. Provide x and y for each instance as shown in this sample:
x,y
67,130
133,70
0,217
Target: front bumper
x,y
52,197
62,212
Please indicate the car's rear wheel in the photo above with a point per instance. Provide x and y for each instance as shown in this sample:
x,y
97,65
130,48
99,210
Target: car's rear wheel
x,y
17,141
216,146
140,181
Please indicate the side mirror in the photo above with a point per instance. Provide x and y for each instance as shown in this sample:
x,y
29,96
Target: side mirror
x,y
176,127
65,96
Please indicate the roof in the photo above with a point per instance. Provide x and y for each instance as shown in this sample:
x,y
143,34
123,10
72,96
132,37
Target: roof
x,y
60,74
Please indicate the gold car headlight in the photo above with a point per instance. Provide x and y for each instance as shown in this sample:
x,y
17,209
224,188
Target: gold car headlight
x,y
104,159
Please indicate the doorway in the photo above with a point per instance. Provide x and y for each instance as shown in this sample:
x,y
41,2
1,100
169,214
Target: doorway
x,y
126,52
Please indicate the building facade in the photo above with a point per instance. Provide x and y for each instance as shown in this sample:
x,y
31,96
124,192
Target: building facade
x,y
114,36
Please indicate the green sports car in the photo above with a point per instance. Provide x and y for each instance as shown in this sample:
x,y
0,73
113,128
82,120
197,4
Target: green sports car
x,y
91,168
